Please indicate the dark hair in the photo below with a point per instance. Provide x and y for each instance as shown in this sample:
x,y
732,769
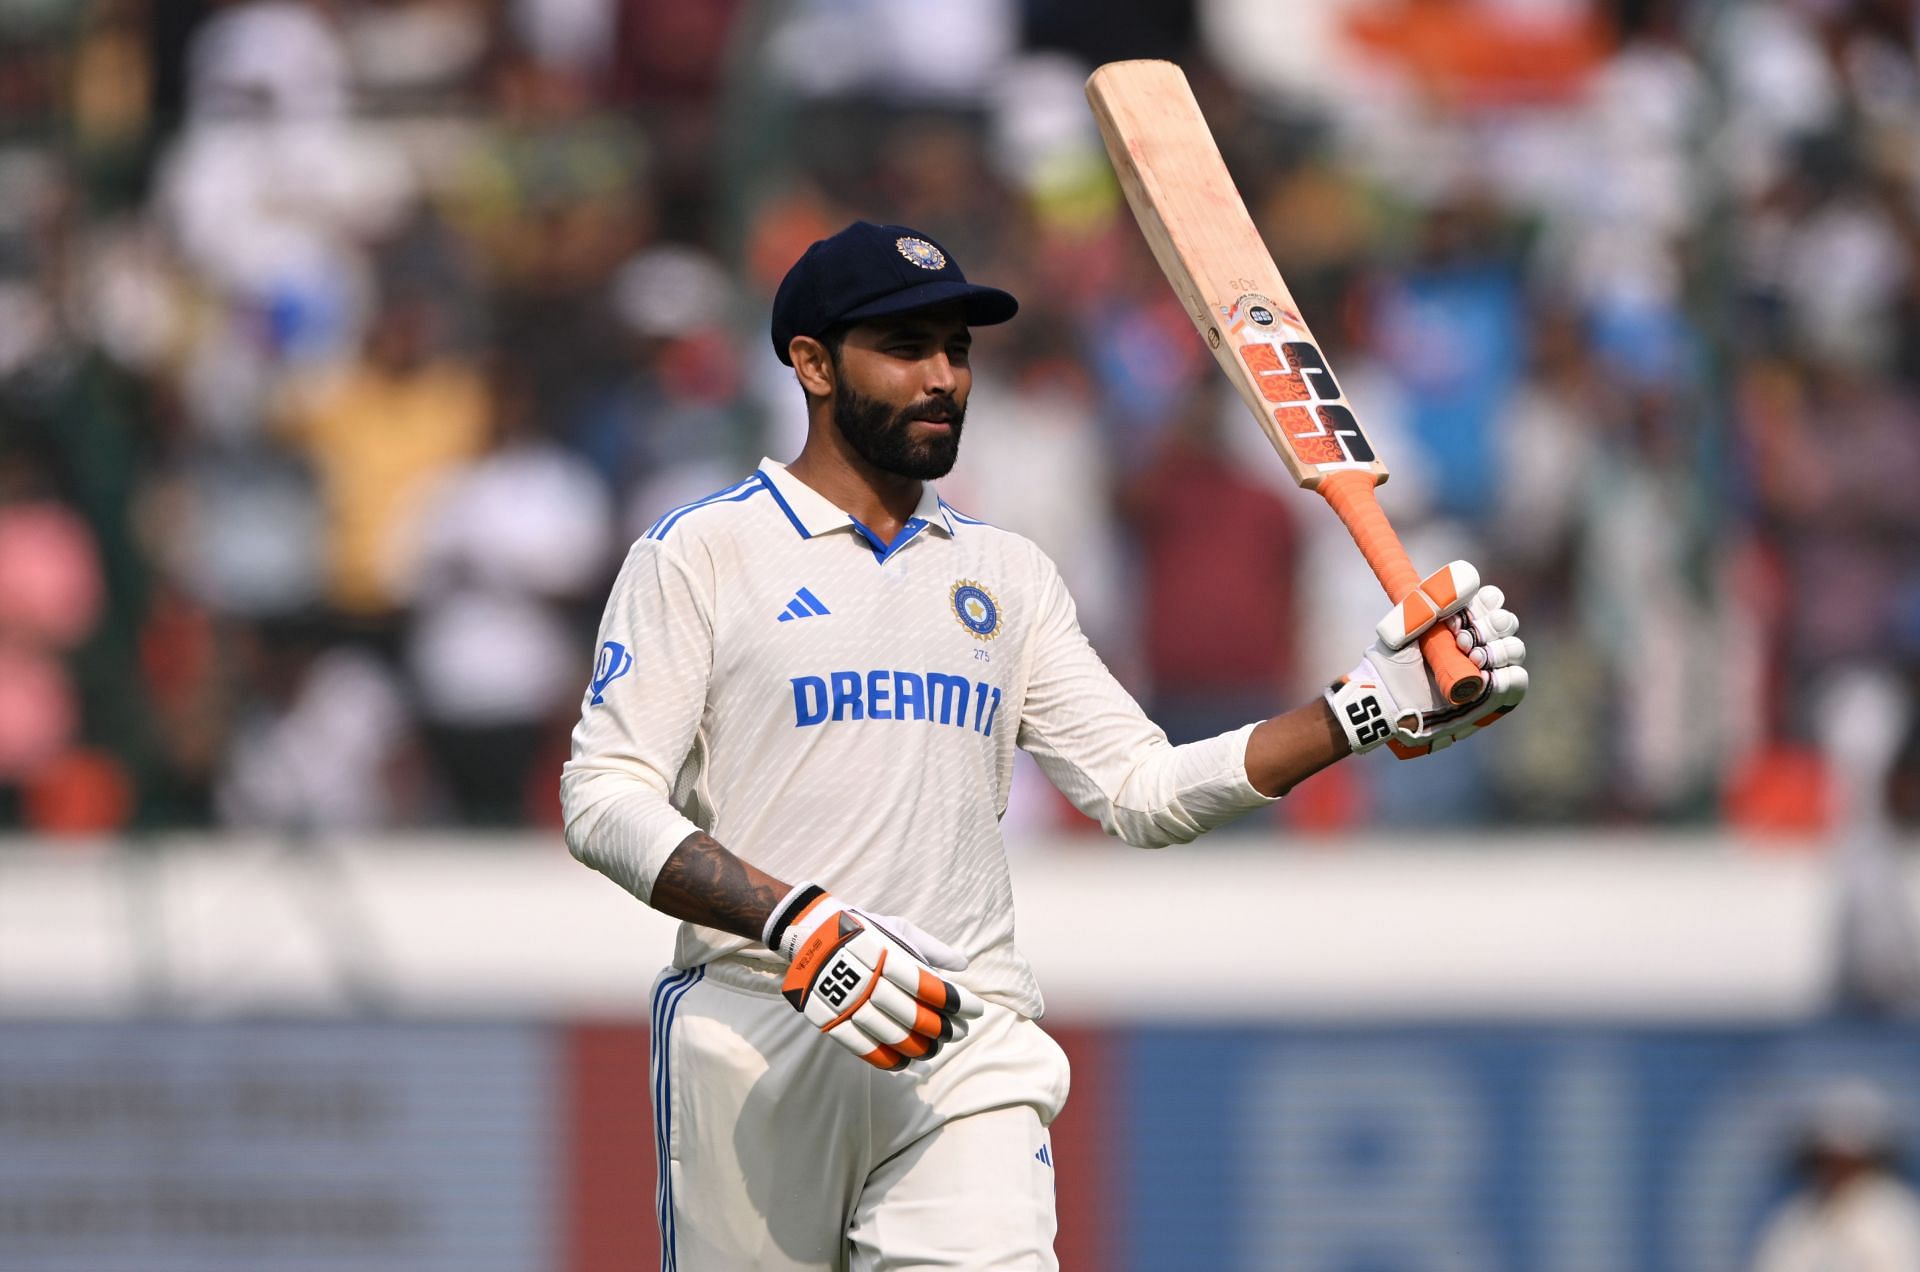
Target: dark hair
x,y
833,338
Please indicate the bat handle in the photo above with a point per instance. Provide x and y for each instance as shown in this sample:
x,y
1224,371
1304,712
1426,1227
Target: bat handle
x,y
1351,496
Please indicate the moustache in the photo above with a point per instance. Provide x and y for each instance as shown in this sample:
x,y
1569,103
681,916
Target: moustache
x,y
934,413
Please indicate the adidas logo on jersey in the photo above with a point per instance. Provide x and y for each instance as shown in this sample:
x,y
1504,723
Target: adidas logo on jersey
x,y
803,605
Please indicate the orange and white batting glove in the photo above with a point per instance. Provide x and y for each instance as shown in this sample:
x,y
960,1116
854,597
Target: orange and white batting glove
x,y
867,981
1391,697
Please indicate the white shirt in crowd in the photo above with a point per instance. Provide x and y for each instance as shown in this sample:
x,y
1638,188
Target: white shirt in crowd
x,y
1869,1225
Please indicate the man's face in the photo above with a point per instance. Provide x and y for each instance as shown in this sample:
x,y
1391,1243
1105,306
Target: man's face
x,y
900,394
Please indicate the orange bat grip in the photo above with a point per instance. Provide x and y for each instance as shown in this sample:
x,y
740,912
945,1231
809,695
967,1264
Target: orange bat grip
x,y
1351,496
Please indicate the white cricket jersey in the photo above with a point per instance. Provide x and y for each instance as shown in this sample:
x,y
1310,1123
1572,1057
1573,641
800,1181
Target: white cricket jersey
x,y
842,710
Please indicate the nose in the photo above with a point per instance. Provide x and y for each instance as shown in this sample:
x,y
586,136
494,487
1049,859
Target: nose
x,y
940,375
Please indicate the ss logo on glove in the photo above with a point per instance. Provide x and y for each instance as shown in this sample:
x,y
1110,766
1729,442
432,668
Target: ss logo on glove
x,y
839,980
1368,724
868,981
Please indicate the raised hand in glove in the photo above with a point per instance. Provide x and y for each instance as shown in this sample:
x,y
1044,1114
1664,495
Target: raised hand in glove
x,y
1391,697
868,981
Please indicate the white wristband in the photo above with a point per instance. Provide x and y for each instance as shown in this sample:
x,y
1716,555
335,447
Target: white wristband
x,y
785,927
1361,709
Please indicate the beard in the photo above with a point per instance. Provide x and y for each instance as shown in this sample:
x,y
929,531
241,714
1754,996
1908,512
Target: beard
x,y
881,435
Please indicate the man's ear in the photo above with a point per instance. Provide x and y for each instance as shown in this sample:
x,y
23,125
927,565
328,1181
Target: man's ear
x,y
812,365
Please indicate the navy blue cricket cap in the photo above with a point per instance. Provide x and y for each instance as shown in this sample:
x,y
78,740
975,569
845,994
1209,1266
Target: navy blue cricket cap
x,y
870,271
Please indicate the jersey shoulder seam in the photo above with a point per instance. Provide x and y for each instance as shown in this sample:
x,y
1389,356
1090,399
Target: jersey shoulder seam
x,y
964,519
969,524
700,510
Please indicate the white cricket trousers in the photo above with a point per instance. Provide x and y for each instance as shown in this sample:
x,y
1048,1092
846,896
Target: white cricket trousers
x,y
781,1151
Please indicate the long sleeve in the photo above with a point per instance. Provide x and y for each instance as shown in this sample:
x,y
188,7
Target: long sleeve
x,y
1095,743
640,719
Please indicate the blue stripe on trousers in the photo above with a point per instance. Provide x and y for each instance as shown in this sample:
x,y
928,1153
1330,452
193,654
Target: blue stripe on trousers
x,y
666,1001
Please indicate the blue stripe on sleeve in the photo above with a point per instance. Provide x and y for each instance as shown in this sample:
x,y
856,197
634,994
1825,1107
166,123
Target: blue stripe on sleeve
x,y
732,494
960,516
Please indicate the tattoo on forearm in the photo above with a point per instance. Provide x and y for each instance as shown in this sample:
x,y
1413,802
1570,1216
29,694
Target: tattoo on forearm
x,y
704,883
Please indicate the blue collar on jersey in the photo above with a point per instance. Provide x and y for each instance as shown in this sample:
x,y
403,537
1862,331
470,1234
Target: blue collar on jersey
x,y
812,513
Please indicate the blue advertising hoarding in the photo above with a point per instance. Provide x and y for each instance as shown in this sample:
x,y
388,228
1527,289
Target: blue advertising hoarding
x,y
317,1147
1473,1149
1307,1148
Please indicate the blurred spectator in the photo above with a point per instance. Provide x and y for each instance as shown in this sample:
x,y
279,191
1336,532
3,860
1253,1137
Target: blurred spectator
x,y
552,197
50,599
39,714
1852,1212
1864,712
268,58
1483,51
662,50
49,573
1836,457
1296,52
1553,434
1643,302
323,741
242,530
272,187
1213,544
1141,348
507,554
1450,328
1638,575
1780,86
676,396
190,674
415,54
84,791
827,47
380,431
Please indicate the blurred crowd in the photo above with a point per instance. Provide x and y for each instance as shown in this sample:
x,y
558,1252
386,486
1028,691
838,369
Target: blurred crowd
x,y
345,344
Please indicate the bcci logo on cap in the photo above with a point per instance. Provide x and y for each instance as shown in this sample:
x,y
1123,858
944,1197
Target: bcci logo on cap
x,y
976,609
921,252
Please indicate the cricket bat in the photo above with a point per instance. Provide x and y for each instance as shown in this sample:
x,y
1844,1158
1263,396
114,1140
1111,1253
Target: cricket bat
x,y
1199,230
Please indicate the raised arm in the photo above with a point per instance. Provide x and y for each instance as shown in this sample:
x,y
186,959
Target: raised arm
x,y
1291,747
1094,742
1099,748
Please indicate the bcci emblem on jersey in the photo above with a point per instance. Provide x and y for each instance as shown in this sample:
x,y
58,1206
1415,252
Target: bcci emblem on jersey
x,y
976,609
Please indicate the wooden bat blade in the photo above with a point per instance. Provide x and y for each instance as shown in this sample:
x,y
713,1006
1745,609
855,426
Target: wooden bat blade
x,y
1207,245
1210,250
